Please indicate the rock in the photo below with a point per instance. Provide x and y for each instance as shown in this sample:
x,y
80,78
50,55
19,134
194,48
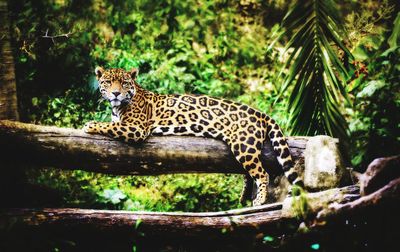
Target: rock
x,y
379,173
324,167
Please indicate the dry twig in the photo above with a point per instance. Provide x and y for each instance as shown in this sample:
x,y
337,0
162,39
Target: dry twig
x,y
65,35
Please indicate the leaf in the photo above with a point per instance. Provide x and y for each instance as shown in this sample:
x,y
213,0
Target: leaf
x,y
138,222
360,53
35,101
390,51
393,40
316,74
370,88
114,195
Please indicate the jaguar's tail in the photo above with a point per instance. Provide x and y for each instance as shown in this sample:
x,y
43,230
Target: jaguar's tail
x,y
281,148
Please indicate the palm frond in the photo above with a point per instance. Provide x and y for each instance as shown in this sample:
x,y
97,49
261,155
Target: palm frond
x,y
316,72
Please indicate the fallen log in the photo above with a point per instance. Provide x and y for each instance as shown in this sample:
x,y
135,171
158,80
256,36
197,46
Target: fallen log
x,y
240,223
369,223
388,195
29,145
379,173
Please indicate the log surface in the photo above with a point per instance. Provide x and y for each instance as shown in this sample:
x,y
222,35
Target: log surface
x,y
246,222
29,145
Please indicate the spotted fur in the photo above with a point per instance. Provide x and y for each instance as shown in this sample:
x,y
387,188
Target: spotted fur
x,y
138,113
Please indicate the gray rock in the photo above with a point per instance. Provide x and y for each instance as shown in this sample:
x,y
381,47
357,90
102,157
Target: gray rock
x,y
324,167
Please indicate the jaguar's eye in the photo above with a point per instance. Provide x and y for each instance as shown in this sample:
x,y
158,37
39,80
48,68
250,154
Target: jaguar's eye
x,y
125,84
106,83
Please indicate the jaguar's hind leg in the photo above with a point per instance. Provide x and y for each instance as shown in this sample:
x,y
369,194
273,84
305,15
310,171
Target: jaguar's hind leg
x,y
262,179
249,159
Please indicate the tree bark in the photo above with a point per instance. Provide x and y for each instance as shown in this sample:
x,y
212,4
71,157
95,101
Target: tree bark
x,y
246,222
379,173
31,145
386,196
8,90
333,206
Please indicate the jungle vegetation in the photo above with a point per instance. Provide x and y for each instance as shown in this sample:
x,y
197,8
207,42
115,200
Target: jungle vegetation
x,y
318,67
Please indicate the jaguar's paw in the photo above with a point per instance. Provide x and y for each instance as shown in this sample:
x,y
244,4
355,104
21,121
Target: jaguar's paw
x,y
90,127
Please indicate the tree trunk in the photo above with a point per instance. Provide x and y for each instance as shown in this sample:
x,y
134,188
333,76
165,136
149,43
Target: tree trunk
x,y
31,145
8,90
246,222
325,210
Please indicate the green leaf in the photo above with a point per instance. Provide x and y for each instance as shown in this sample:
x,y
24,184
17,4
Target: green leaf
x,y
138,222
114,195
316,74
35,101
394,38
370,88
360,53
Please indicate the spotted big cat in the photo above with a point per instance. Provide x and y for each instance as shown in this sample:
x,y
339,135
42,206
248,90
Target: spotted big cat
x,y
138,113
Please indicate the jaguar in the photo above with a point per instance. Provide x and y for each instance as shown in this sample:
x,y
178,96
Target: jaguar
x,y
138,113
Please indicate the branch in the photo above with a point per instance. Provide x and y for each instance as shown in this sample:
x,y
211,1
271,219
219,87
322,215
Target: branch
x,y
65,35
388,195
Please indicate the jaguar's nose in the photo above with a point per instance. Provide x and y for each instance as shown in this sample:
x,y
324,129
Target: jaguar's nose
x,y
116,93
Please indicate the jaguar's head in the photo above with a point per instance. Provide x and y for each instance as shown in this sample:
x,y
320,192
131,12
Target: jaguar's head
x,y
117,85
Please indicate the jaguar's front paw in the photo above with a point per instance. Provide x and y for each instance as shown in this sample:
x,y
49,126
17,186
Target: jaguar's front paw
x,y
90,127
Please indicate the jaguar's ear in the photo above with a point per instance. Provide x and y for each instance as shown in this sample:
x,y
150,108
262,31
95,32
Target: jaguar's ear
x,y
99,72
134,73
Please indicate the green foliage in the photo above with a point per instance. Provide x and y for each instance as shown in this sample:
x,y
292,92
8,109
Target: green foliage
x,y
300,203
362,24
215,48
69,110
208,47
112,196
219,48
210,192
375,120
315,68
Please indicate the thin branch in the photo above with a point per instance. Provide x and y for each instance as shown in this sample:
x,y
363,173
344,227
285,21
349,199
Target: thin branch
x,y
65,35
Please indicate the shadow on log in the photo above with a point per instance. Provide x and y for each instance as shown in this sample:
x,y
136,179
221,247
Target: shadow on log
x,y
46,146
